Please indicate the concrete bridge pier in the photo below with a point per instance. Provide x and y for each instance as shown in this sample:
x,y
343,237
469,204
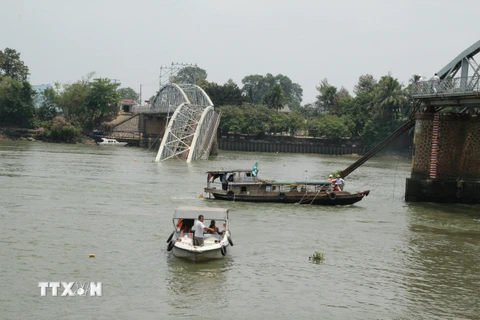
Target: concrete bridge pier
x,y
446,165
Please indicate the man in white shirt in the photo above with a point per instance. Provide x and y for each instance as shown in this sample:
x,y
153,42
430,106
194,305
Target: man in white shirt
x,y
420,83
339,182
435,80
199,227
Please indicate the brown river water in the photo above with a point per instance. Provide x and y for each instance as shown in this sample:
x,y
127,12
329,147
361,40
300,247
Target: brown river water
x,y
383,258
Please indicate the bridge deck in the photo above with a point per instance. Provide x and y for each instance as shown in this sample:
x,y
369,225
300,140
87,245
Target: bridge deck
x,y
447,87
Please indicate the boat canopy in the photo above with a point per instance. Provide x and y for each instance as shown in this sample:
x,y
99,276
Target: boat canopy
x,y
229,171
193,213
299,183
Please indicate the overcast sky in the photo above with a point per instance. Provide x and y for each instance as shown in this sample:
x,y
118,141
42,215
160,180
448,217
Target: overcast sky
x,y
306,40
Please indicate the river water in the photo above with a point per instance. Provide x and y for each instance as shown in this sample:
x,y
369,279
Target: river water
x,y
384,258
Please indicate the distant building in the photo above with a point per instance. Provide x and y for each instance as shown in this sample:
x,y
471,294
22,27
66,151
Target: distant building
x,y
127,105
38,100
285,109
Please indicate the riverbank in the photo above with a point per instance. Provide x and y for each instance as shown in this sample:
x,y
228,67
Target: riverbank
x,y
24,134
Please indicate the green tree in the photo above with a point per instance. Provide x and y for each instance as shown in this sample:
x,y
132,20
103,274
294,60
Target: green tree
x,y
87,103
101,102
295,122
129,94
293,92
255,87
327,100
62,131
331,127
278,122
192,75
233,119
16,102
389,99
366,83
275,97
358,110
48,108
72,98
226,94
258,119
12,66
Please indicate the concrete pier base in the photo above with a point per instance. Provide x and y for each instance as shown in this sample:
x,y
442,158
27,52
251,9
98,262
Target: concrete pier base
x,y
445,166
443,191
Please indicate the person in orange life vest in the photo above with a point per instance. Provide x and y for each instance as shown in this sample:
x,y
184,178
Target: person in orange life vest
x,y
331,179
214,227
185,225
179,224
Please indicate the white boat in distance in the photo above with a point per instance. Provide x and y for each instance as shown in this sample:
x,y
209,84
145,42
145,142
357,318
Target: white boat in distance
x,y
215,245
111,142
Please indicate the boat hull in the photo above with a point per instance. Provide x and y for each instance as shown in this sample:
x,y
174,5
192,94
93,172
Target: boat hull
x,y
197,255
118,144
214,246
325,198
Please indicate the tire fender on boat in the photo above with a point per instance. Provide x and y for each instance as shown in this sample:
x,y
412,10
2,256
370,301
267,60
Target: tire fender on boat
x,y
332,195
170,246
230,241
230,194
281,195
171,236
223,250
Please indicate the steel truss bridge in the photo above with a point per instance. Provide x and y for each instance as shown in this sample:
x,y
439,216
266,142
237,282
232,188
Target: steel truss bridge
x,y
431,95
459,84
192,122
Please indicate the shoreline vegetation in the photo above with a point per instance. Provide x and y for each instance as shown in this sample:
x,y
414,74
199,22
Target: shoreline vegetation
x,y
24,134
262,107
37,135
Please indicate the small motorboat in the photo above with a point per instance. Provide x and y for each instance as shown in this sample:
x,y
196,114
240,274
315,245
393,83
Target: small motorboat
x,y
111,142
216,245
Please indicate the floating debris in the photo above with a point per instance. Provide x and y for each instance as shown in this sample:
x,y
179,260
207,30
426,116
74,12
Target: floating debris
x,y
316,257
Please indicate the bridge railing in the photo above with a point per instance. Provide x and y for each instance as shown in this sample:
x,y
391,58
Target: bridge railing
x,y
447,86
149,109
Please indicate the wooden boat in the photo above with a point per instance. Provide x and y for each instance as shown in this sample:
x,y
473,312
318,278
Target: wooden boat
x,y
244,185
216,245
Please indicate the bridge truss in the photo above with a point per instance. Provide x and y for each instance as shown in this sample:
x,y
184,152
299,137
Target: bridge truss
x,y
459,84
192,128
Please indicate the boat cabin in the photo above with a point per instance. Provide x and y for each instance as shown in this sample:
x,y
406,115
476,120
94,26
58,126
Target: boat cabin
x,y
226,177
244,182
184,218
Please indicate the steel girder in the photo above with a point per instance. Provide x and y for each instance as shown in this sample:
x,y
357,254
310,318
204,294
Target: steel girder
x,y
171,95
467,83
204,135
192,128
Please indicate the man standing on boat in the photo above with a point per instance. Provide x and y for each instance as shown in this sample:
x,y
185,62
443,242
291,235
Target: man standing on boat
x,y
199,227
339,182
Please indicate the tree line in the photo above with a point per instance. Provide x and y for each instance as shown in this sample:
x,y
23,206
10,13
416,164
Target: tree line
x,y
259,107
374,110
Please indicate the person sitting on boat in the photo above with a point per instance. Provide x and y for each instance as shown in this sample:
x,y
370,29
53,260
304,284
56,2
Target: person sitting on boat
x,y
214,227
199,228
339,182
186,226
